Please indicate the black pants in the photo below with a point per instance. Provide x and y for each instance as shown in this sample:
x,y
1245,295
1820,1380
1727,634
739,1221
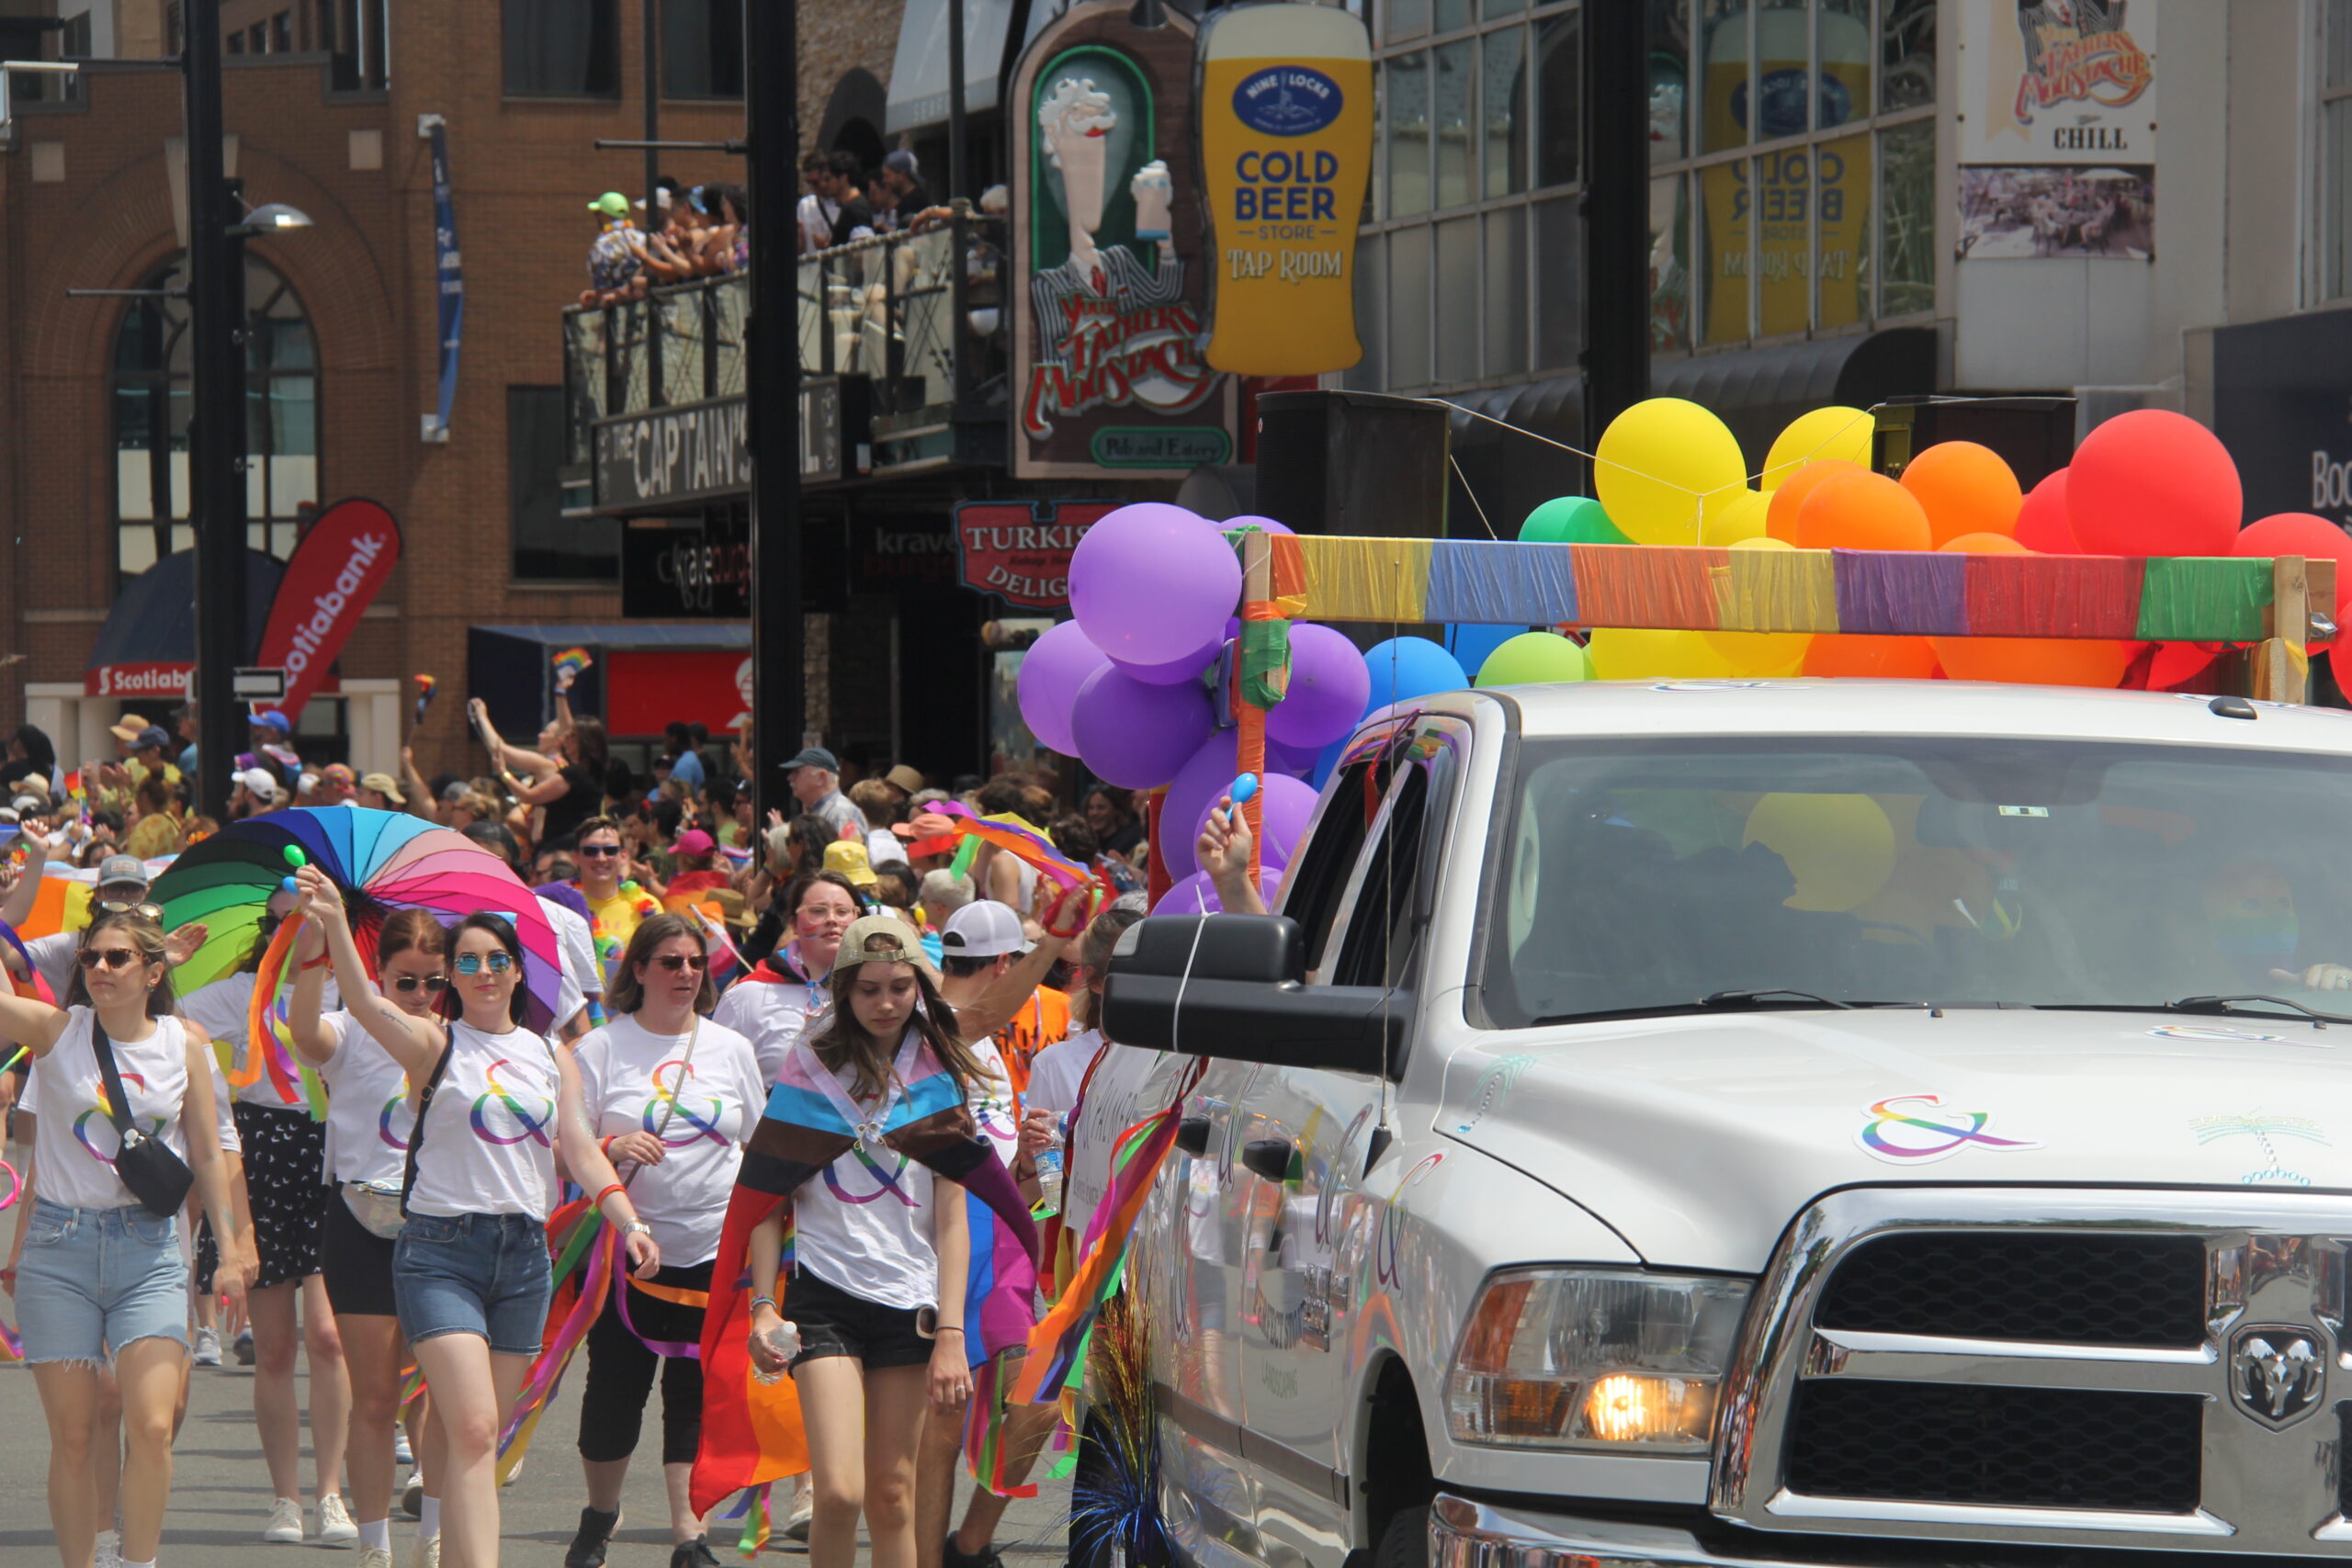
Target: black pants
x,y
620,1372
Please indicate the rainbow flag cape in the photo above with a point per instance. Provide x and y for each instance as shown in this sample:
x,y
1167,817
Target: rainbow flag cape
x,y
750,1432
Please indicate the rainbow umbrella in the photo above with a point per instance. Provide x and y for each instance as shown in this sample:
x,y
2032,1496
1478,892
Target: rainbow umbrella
x,y
383,861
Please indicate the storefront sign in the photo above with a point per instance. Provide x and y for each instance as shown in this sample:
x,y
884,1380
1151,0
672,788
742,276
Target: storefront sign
x,y
2280,388
1110,304
685,452
890,554
699,573
342,561
645,689
2058,128
166,680
1286,143
1020,550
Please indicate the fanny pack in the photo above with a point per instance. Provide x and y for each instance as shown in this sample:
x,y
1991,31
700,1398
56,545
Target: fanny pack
x,y
376,1205
158,1178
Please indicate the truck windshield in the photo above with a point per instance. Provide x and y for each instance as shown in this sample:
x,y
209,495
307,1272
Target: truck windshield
x,y
1642,875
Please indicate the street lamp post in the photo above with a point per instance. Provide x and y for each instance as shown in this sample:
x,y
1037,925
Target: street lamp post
x,y
216,443
772,379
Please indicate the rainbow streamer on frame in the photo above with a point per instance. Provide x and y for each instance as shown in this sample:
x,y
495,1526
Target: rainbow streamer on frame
x,y
36,986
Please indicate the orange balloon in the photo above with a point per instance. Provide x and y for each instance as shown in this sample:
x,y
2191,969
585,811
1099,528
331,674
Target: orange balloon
x,y
1788,500
1887,658
2035,660
1964,489
1860,512
1983,545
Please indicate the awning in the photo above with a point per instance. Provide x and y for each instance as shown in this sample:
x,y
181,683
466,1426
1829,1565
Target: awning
x,y
147,647
512,668
918,72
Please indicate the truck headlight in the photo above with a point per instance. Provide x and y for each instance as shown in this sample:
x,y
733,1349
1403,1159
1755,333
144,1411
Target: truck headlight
x,y
1597,1359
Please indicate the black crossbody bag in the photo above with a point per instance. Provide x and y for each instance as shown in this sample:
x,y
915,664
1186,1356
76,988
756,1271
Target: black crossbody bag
x,y
423,1104
158,1178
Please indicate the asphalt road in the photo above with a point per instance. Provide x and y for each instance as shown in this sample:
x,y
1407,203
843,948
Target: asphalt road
x,y
221,1493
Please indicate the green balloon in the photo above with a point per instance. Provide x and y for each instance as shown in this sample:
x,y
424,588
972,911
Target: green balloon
x,y
1533,657
1570,520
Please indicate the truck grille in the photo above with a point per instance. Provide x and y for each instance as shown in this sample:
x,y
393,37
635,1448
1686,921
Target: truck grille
x,y
2130,1370
2087,1290
2025,1447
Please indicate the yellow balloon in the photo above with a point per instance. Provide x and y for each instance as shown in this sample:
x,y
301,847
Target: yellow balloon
x,y
1628,654
1825,432
1760,653
1840,848
1742,518
1665,467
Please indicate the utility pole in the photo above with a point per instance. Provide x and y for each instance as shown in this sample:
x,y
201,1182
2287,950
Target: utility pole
x,y
1616,213
772,382
216,437
650,40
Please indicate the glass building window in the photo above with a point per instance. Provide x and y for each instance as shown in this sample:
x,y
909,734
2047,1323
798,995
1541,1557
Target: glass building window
x,y
548,546
152,395
2336,154
561,48
702,49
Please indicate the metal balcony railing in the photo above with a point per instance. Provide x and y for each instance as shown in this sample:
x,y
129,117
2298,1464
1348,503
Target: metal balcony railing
x,y
881,309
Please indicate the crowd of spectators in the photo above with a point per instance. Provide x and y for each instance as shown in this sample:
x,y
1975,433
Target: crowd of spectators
x,y
699,231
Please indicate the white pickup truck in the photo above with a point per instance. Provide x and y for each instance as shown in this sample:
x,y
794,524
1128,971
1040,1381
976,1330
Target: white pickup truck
x,y
1770,1121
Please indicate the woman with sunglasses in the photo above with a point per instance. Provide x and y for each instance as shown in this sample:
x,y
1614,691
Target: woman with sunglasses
x,y
470,1277
369,1118
773,1003
673,1097
101,1273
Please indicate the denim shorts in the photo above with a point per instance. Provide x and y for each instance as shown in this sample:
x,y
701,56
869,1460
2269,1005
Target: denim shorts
x,y
92,1280
479,1274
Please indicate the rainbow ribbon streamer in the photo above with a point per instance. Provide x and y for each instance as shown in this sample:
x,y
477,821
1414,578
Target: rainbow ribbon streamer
x,y
36,986
571,1313
751,1508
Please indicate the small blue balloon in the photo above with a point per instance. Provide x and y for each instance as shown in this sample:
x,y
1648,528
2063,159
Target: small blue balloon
x,y
1243,788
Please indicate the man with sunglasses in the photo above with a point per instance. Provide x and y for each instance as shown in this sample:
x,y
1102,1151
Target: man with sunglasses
x,y
122,885
615,906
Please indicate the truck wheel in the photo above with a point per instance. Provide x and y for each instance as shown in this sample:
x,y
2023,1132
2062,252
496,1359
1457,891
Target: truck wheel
x,y
1406,1542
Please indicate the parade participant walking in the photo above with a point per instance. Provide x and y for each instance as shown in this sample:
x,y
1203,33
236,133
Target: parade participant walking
x,y
616,904
369,1118
673,1097
100,1271
470,1273
877,1293
772,1005
982,941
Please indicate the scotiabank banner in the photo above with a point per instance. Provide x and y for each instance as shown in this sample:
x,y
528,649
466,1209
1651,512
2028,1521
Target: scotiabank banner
x,y
337,569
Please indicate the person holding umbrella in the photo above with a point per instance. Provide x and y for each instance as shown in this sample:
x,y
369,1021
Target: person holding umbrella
x,y
470,1273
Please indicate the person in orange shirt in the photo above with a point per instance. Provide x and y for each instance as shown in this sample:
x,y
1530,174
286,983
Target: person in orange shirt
x,y
980,942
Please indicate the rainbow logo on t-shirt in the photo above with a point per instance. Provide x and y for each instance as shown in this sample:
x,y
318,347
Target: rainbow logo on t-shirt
x,y
100,1109
532,1127
672,1094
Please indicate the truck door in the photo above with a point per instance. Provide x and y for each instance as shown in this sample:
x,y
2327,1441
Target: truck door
x,y
1309,1138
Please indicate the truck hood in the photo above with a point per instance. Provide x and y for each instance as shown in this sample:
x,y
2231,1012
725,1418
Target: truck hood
x,y
1698,1139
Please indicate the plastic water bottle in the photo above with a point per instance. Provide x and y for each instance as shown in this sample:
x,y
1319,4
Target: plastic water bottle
x,y
784,1340
1048,1161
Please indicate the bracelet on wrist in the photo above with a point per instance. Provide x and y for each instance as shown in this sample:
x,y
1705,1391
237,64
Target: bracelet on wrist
x,y
768,1302
597,1203
949,1329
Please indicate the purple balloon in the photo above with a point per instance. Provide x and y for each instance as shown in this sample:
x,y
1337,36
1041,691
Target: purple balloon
x,y
1192,667
1196,896
1198,782
1296,761
1289,802
1052,671
1151,583
1134,734
1329,686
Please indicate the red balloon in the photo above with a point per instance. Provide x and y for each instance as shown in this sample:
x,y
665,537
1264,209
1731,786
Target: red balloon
x,y
2152,482
2302,534
2041,521
2177,662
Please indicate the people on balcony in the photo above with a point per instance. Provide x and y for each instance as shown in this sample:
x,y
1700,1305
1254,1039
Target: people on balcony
x,y
615,273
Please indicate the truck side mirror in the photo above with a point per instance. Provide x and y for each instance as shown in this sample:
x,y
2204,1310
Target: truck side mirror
x,y
1231,987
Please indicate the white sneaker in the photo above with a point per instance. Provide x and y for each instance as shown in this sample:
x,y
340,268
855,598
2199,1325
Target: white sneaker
x,y
376,1557
427,1555
110,1552
285,1521
336,1527
401,1454
804,1504
208,1347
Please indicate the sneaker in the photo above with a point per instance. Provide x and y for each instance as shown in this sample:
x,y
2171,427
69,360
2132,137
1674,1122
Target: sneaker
x,y
412,1495
426,1555
208,1347
376,1557
401,1452
285,1521
694,1553
596,1528
244,1348
336,1527
954,1556
804,1504
109,1549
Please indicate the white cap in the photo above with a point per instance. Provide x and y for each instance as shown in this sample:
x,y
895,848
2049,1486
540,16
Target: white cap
x,y
982,929
261,781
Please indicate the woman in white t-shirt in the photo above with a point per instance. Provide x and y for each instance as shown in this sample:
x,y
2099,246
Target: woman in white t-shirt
x,y
369,1117
673,1094
99,1271
469,1271
880,1262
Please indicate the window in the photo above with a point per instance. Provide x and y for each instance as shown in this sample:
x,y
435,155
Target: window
x,y
562,47
152,395
702,49
282,33
548,546
356,35
2336,154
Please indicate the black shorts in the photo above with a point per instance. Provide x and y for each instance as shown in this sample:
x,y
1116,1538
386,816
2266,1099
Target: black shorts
x,y
286,1184
357,1263
834,1322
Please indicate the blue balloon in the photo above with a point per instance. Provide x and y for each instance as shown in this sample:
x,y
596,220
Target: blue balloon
x,y
1328,762
1406,666
1471,644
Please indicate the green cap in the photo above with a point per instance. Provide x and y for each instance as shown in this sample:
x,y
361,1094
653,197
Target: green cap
x,y
612,204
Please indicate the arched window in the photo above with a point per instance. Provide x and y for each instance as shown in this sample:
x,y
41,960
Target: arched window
x,y
151,398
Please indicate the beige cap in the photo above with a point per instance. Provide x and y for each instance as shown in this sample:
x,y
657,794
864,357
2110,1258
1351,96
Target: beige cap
x,y
385,786
128,729
904,777
881,939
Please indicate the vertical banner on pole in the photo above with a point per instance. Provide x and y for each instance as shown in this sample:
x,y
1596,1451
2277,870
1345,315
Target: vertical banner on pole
x,y
449,277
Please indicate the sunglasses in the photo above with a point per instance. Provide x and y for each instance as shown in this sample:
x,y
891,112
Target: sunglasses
x,y
108,957
471,962
677,962
599,851
139,907
432,985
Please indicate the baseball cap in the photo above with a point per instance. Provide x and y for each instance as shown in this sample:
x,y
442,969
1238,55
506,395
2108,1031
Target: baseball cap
x,y
116,870
154,735
661,195
815,757
694,842
24,803
903,777
339,773
899,161
612,204
454,791
261,781
982,930
270,718
385,786
132,728
848,857
881,939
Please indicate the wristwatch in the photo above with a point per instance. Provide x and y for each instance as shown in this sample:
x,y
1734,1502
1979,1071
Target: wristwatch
x,y
634,1226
